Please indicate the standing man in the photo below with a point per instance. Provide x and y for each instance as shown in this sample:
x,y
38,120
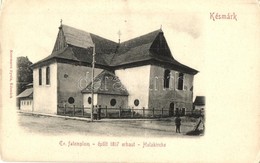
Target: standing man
x,y
99,112
95,112
178,124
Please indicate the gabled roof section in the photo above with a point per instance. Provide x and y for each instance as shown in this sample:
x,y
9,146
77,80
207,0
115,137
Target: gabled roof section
x,y
107,83
26,93
134,50
71,36
149,48
78,38
77,45
102,45
138,41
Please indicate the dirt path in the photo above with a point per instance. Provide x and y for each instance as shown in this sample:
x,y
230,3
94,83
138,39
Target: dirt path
x,y
54,126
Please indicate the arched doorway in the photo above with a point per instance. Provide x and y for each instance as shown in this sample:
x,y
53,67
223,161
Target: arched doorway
x,y
171,109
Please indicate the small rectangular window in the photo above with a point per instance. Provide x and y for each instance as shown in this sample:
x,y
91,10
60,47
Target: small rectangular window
x,y
167,75
48,76
180,81
40,76
183,111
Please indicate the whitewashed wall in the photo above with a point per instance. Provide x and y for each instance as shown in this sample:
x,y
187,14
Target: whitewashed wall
x,y
85,100
104,100
136,81
45,96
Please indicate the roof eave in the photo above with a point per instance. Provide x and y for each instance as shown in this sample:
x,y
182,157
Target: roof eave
x,y
105,93
181,67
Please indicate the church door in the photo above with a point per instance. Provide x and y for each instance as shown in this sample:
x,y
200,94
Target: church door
x,y
171,109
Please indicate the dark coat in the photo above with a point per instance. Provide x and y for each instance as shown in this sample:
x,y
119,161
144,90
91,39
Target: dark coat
x,y
177,121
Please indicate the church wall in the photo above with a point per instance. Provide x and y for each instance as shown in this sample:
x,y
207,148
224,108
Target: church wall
x,y
85,100
160,97
71,80
45,96
104,100
136,81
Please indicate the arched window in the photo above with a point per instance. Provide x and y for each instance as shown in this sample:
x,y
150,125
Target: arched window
x,y
166,78
180,81
48,76
89,100
40,76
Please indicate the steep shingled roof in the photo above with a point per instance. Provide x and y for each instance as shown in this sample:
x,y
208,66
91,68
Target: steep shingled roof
x,y
77,37
81,39
145,48
106,83
65,53
76,45
134,50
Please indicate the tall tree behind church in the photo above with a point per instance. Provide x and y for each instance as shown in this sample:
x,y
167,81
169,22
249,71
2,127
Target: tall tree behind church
x,y
24,73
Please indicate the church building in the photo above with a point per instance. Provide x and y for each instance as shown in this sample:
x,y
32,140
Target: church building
x,y
138,73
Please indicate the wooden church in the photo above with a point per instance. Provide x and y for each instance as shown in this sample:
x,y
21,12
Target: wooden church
x,y
138,73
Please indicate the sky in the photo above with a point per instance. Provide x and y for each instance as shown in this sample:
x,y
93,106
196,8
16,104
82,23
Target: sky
x,y
34,25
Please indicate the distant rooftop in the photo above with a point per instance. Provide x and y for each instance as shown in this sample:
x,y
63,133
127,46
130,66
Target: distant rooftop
x,y
200,100
26,93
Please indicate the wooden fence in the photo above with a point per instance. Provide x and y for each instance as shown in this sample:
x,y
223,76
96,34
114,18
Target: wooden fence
x,y
105,112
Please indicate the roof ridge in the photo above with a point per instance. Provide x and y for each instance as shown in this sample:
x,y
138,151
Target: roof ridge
x,y
158,30
74,28
88,33
102,37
